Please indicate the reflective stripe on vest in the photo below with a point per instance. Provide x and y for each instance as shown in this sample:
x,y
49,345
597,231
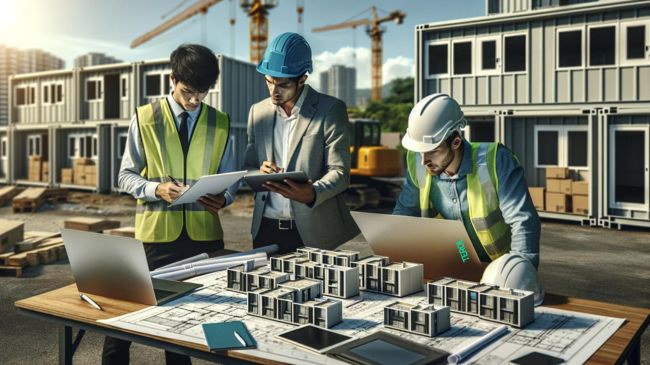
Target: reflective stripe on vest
x,y
482,197
156,221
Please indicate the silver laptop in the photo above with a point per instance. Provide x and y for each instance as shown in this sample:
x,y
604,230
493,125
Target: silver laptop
x,y
116,267
442,246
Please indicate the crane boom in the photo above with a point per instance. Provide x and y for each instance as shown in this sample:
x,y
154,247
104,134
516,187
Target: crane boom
x,y
350,24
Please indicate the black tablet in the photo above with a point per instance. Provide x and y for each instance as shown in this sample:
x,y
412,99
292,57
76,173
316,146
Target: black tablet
x,y
383,348
256,181
314,338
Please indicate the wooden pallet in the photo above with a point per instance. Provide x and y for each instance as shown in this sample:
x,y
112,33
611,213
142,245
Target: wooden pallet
x,y
48,250
122,231
56,195
90,224
7,193
16,270
29,200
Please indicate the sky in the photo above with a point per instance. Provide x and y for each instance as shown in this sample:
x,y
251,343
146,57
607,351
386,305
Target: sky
x,y
69,28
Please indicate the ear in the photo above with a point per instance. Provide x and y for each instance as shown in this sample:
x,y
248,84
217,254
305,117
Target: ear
x,y
456,143
302,81
172,78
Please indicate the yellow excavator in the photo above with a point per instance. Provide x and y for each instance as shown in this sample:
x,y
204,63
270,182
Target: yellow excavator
x,y
376,170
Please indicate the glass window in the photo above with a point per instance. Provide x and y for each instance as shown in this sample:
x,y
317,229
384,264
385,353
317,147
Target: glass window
x,y
489,55
37,146
46,94
601,46
71,147
4,147
438,55
547,148
153,85
20,96
481,132
59,93
89,146
32,95
124,87
30,147
515,53
577,148
494,6
168,88
570,48
121,146
462,58
92,90
635,42
95,140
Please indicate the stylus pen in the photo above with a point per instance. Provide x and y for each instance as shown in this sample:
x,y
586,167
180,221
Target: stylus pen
x,y
239,338
87,299
174,180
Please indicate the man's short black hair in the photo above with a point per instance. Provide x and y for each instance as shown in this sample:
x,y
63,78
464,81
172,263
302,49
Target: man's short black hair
x,y
195,65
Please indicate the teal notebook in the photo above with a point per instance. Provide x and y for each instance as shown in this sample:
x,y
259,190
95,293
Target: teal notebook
x,y
223,336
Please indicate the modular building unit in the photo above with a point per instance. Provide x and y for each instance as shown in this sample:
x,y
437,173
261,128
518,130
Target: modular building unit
x,y
31,149
106,92
81,156
549,70
43,97
4,155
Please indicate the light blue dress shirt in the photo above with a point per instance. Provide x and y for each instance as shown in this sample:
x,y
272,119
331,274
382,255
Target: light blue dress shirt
x,y
514,201
133,161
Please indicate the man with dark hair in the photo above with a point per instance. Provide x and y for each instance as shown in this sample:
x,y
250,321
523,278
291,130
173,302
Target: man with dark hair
x,y
299,129
194,140
480,184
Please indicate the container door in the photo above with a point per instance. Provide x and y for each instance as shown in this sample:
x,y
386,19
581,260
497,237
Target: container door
x,y
34,145
629,171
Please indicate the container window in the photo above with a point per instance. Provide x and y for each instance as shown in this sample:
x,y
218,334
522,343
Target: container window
x,y
481,132
93,89
89,146
577,148
462,58
635,42
32,95
547,148
4,147
570,49
489,55
20,96
515,53
438,59
601,46
168,88
71,147
494,6
153,85
46,89
59,93
121,146
95,149
124,91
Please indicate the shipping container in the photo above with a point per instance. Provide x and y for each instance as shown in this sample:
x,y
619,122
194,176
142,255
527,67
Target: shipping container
x,y
42,97
119,134
4,155
106,92
31,149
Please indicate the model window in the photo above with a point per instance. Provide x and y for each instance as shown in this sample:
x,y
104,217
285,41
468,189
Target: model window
x,y
547,148
462,58
570,48
489,55
153,85
577,148
515,53
45,94
438,56
601,46
635,42
93,89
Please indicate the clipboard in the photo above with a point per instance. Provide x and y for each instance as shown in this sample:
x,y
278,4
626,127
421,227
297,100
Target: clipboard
x,y
208,184
256,181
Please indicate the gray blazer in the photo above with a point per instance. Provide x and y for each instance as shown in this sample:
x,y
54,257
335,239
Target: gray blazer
x,y
319,146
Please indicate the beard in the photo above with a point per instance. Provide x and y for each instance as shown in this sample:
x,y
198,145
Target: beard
x,y
436,170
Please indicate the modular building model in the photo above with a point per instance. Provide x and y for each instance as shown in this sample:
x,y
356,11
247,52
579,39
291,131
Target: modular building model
x,y
424,320
338,281
397,279
509,306
242,280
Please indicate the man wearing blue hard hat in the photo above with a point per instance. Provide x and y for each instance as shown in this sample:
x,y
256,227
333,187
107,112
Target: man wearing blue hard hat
x,y
299,129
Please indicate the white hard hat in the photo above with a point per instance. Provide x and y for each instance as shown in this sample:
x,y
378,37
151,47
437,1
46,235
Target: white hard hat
x,y
431,121
512,271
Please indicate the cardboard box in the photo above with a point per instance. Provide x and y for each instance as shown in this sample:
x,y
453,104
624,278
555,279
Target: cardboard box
x,y
580,204
558,202
557,173
11,232
537,194
82,161
558,186
90,169
91,179
66,176
580,188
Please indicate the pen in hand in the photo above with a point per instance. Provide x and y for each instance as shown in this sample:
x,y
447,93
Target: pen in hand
x,y
87,299
174,180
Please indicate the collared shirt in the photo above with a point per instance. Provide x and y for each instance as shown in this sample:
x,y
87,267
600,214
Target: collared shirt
x,y
277,206
133,160
514,201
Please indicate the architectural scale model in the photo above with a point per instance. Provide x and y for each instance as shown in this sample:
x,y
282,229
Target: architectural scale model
x,y
423,320
338,281
241,280
397,279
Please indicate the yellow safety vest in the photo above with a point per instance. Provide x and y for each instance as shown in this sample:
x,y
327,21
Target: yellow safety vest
x,y
156,221
482,197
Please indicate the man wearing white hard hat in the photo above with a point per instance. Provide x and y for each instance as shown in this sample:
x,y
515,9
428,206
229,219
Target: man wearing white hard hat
x,y
481,184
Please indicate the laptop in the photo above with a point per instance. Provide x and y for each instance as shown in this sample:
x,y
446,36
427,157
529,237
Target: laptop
x,y
442,246
116,267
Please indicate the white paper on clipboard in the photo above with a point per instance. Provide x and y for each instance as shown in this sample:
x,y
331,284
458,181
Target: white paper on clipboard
x,y
208,184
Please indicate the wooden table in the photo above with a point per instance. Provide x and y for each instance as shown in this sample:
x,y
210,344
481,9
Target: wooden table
x,y
64,307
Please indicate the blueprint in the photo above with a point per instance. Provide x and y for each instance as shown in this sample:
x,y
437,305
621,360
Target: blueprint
x,y
571,336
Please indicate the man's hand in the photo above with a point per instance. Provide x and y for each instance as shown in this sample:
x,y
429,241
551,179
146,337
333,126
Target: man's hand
x,y
300,192
213,203
168,191
269,167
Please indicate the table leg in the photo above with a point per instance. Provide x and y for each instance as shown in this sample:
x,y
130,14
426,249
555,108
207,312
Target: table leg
x,y
65,345
634,356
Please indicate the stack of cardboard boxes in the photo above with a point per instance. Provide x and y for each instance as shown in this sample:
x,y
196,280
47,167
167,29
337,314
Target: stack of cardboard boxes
x,y
562,195
35,168
84,172
66,176
45,168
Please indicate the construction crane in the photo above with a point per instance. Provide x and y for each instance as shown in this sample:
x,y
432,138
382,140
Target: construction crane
x,y
374,31
300,9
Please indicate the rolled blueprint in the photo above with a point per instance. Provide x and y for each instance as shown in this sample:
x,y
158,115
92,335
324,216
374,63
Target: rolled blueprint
x,y
268,249
212,261
198,257
183,274
467,351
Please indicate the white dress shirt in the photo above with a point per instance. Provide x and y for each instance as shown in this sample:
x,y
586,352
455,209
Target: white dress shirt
x,y
277,206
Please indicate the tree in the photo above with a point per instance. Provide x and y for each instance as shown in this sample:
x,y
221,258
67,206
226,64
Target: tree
x,y
401,91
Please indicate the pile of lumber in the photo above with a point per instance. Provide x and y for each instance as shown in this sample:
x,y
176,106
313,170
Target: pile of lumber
x,y
122,231
38,248
29,200
56,195
90,224
7,193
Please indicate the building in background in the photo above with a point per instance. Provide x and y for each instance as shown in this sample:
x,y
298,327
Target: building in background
x,y
340,82
93,59
16,61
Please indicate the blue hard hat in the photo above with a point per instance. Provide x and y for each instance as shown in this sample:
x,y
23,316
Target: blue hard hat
x,y
288,55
